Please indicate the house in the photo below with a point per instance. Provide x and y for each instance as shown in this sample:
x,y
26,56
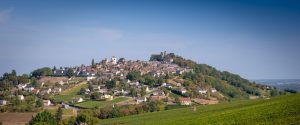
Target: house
x,y
90,77
185,101
140,99
202,91
95,88
164,84
134,83
84,91
155,98
108,97
124,92
182,90
21,97
46,102
78,100
178,84
83,73
213,90
121,61
159,93
103,90
35,91
179,72
113,60
29,88
64,105
21,86
118,92
56,90
169,86
59,72
46,91
3,102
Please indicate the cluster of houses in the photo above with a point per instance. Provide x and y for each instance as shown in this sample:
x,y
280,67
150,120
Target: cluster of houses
x,y
119,68
111,69
46,90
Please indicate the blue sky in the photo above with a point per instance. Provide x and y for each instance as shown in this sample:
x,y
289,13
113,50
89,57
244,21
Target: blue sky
x,y
256,39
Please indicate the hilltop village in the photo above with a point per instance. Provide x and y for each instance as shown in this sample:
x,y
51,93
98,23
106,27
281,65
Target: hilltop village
x,y
125,87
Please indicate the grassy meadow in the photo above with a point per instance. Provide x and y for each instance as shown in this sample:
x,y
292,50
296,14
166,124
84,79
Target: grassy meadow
x,y
69,94
100,104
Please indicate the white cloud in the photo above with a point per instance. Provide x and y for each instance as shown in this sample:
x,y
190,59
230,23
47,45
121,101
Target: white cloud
x,y
5,14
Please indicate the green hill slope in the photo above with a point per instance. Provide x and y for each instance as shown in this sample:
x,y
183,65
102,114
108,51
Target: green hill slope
x,y
276,111
203,75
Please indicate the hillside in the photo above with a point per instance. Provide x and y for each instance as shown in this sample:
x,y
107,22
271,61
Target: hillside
x,y
276,111
203,75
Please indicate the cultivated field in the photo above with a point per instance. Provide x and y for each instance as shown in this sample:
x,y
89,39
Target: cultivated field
x,y
15,118
276,111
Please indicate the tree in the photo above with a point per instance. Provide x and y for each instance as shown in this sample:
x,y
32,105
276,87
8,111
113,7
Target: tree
x,y
115,112
14,73
54,68
43,118
160,81
70,73
58,115
39,103
93,63
42,72
134,75
86,117
143,91
95,96
110,84
274,92
133,92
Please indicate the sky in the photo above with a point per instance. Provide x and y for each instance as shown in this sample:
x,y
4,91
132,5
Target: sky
x,y
257,39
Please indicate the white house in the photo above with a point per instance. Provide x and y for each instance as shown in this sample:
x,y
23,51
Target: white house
x,y
183,90
21,97
89,78
78,100
46,102
64,105
96,88
202,91
29,88
108,97
158,93
134,83
56,90
21,86
213,90
114,60
3,102
140,99
178,84
45,91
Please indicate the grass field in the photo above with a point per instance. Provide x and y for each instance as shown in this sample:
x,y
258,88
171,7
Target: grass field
x,y
69,94
68,112
100,104
280,110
